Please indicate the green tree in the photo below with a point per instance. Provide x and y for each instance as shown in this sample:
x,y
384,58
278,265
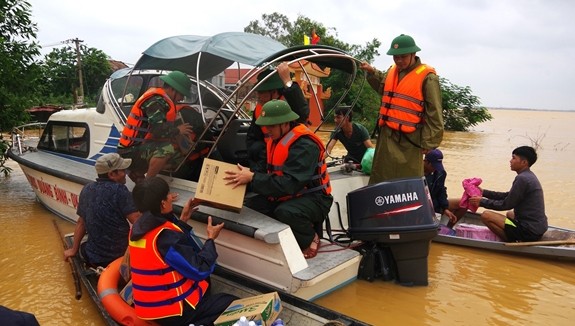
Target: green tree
x,y
278,27
61,72
461,109
19,73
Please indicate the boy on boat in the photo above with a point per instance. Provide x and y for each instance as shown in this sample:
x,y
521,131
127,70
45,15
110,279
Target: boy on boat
x,y
525,219
435,175
352,135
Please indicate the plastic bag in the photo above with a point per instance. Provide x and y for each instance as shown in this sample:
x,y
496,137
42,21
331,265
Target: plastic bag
x,y
367,161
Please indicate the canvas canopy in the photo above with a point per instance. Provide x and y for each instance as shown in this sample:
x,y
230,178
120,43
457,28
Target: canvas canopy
x,y
215,53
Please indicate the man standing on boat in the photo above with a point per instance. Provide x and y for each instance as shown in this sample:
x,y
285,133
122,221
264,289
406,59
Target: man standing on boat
x,y
525,219
410,118
296,189
104,209
151,130
277,86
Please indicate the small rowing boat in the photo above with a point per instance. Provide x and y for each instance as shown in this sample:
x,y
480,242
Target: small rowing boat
x,y
556,243
296,311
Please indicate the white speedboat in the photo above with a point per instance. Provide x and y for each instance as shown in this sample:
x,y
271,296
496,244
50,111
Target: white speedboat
x,y
252,244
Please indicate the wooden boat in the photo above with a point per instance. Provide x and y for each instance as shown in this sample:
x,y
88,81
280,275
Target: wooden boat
x,y
296,311
63,162
557,243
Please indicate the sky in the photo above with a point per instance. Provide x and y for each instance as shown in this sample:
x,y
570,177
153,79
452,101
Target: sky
x,y
510,53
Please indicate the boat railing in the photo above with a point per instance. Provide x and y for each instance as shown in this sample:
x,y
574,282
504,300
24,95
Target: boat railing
x,y
299,55
23,139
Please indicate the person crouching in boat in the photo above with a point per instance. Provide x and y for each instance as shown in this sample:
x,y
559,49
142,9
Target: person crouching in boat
x,y
296,189
151,130
170,274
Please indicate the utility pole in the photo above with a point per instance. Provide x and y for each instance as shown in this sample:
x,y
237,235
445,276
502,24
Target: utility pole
x,y
80,98
79,94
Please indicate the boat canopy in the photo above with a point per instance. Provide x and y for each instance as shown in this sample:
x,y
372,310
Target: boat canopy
x,y
215,53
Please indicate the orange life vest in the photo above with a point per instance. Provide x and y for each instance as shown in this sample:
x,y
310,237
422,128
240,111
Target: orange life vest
x,y
136,130
159,290
257,113
402,103
277,153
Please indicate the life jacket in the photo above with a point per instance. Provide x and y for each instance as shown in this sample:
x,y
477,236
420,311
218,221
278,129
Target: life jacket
x,y
136,130
402,103
277,153
159,290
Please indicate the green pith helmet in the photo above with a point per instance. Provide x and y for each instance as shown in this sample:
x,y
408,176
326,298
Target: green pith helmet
x,y
178,81
274,82
275,112
403,44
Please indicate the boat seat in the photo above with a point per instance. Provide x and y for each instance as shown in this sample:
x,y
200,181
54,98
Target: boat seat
x,y
251,225
232,144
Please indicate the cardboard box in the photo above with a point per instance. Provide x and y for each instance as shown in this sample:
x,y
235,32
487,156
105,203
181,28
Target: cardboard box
x,y
212,189
263,309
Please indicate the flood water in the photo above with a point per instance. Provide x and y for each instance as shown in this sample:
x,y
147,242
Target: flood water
x,y
466,286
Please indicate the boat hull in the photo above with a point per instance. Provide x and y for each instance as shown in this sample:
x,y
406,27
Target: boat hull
x,y
558,252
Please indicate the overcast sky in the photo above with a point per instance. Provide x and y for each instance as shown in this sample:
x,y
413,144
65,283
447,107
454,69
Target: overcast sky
x,y
511,53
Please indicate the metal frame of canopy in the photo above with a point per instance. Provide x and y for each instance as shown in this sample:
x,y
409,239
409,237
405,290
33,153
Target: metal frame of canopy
x,y
203,57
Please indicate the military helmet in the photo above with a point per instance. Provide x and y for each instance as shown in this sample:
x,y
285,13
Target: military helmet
x,y
274,82
178,81
403,44
275,112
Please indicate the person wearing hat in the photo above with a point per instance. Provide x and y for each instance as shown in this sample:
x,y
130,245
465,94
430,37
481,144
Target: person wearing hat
x,y
410,118
296,189
151,130
104,209
435,175
273,87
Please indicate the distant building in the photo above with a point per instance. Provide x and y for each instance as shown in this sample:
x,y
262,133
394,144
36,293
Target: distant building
x,y
117,65
233,75
43,112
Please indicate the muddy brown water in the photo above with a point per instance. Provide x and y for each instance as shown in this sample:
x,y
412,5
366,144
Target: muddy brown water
x,y
466,286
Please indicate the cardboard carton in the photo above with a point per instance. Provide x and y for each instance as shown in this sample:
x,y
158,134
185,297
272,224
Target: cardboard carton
x,y
263,309
212,189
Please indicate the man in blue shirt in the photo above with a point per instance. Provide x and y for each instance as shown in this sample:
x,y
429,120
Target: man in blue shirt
x,y
104,209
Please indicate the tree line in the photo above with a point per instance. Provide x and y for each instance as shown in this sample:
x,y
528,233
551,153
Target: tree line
x,y
27,80
461,109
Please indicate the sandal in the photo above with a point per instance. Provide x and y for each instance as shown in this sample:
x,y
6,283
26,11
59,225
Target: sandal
x,y
310,252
